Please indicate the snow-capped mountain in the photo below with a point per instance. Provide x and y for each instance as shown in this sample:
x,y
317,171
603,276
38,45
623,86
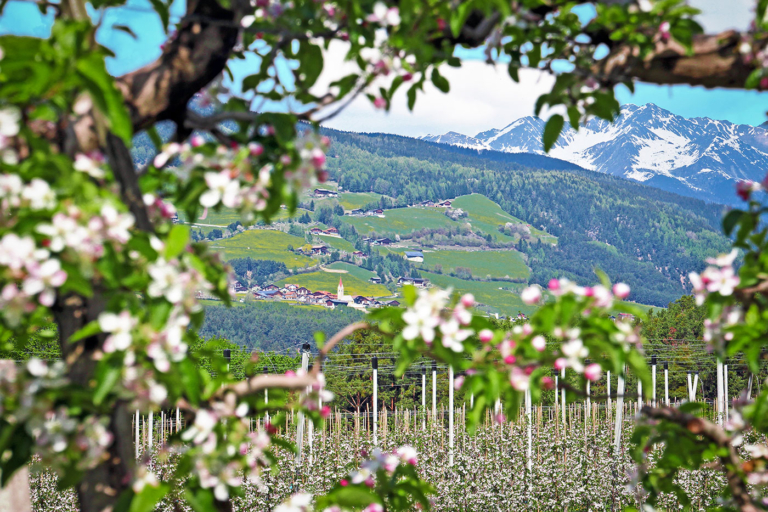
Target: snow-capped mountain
x,y
696,157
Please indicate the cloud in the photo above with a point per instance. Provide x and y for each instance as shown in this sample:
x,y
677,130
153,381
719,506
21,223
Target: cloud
x,y
481,96
719,15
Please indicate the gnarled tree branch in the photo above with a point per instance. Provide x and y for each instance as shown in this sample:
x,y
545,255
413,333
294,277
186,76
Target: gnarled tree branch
x,y
731,462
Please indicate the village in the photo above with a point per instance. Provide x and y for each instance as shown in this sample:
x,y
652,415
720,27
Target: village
x,y
304,296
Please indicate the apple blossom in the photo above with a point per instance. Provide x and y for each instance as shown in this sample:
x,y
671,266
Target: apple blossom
x,y
621,290
593,372
531,295
539,343
486,335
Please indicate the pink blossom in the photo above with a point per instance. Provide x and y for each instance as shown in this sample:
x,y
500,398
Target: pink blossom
x,y
519,379
560,363
745,188
407,454
485,335
531,295
380,103
255,149
554,284
621,290
593,372
196,141
510,359
664,29
325,412
527,329
458,382
318,158
468,300
547,382
539,343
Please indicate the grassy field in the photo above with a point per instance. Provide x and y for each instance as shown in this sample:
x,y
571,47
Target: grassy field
x,y
497,264
486,215
402,221
352,270
352,200
263,244
503,302
329,281
225,217
336,243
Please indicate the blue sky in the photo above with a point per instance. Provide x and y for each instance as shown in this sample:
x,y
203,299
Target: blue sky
x,y
480,98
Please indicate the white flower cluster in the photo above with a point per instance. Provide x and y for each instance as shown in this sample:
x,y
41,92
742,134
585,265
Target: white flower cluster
x,y
10,118
388,461
719,277
54,430
425,319
32,272
35,195
86,235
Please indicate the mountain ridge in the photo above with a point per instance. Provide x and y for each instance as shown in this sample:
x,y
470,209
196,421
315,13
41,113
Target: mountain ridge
x,y
698,157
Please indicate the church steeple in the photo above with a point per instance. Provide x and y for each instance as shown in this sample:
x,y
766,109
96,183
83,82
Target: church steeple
x,y
340,290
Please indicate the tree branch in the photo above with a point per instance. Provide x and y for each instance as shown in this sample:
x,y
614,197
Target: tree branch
x,y
701,427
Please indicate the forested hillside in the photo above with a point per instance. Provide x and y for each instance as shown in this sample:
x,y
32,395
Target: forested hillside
x,y
273,326
649,238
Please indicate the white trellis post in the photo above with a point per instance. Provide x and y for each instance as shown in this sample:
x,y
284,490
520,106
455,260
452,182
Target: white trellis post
x,y
450,415
639,393
434,390
151,430
529,420
725,391
619,412
719,400
690,388
300,427
695,384
557,392
375,367
266,398
666,382
423,397
138,439
653,379
562,397
608,389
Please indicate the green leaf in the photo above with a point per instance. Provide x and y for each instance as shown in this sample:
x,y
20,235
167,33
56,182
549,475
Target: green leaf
x,y
14,438
440,81
573,117
93,73
411,97
90,329
155,137
460,16
176,241
106,382
126,29
163,11
730,220
552,131
310,63
353,496
146,500
200,501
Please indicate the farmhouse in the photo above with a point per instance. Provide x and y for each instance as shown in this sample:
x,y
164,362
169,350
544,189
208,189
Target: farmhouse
x,y
359,254
375,279
319,249
415,256
321,192
316,231
331,231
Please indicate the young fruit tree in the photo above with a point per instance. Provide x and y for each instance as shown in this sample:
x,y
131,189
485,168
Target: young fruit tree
x,y
87,238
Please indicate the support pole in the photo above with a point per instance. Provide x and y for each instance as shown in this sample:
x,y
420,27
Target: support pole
x,y
690,388
639,393
719,400
666,382
300,427
619,412
653,379
423,397
266,398
608,389
562,397
695,384
375,366
529,421
178,420
450,415
138,439
434,390
151,431
726,400
557,392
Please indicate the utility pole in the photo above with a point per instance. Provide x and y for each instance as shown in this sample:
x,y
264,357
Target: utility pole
x,y
529,420
266,397
137,434
300,427
666,382
375,367
690,388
